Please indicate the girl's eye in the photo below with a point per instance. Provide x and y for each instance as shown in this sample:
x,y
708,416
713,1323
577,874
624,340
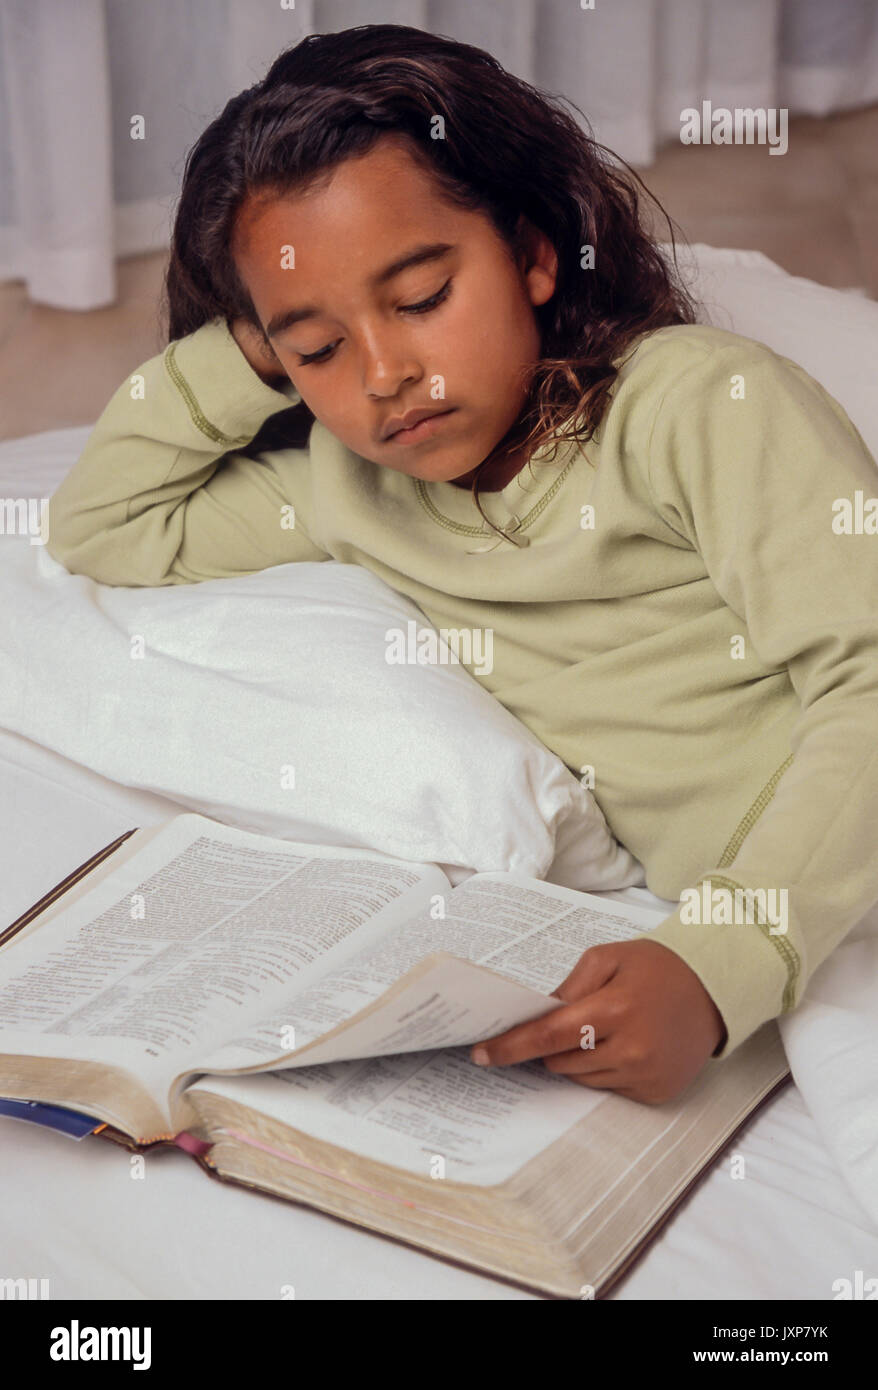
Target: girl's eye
x,y
422,308
430,303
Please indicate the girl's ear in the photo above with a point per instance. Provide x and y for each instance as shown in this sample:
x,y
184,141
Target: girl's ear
x,y
537,259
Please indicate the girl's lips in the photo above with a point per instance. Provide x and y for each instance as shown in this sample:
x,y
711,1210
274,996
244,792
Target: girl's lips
x,y
422,430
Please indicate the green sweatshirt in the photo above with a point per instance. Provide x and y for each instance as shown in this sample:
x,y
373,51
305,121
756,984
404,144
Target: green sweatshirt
x,y
686,618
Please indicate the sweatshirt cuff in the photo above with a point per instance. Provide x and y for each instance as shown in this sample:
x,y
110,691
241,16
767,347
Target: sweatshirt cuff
x,y
745,970
227,399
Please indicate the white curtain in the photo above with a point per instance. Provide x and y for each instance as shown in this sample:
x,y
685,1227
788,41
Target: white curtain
x,y
77,191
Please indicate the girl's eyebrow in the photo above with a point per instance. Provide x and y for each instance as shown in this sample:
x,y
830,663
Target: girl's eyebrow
x,y
432,251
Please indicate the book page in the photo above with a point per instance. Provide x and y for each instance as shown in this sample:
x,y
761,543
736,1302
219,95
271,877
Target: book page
x,y
411,1108
416,1108
441,1002
528,934
201,933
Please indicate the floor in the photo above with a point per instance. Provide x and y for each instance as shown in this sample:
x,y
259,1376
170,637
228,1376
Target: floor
x,y
813,210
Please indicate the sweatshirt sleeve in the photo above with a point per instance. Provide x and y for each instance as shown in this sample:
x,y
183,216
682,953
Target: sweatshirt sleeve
x,y
757,485
159,495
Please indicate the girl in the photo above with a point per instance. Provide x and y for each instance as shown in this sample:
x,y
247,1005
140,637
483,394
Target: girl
x,y
409,300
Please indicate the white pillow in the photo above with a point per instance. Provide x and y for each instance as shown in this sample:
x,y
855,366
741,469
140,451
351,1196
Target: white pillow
x,y
243,679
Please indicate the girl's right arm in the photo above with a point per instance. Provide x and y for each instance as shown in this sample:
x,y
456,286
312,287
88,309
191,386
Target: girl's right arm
x,y
159,495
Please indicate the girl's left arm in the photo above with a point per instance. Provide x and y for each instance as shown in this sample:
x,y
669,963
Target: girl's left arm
x,y
759,468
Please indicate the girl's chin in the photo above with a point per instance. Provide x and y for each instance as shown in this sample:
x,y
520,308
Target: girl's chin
x,y
431,471
444,475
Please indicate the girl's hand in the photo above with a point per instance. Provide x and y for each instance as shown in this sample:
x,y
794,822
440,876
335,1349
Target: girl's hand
x,y
258,352
655,1025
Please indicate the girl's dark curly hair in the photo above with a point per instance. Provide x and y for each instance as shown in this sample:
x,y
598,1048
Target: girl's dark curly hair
x,y
508,149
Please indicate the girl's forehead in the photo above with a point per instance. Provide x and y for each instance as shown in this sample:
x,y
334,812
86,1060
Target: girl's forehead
x,y
391,183
367,222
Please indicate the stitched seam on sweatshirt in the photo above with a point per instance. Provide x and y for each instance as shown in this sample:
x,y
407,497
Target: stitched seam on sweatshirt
x,y
784,947
433,512
199,419
752,815
464,530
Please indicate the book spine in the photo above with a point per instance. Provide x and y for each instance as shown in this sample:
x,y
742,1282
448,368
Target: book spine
x,y
190,1145
184,1140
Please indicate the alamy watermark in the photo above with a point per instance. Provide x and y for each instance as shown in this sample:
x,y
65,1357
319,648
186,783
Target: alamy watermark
x,y
23,1288
735,906
25,516
424,646
77,1343
746,125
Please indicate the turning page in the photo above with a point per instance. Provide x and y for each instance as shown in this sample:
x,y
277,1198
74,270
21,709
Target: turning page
x,y
481,959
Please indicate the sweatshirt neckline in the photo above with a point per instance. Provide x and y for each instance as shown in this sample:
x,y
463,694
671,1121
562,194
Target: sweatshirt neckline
x,y
524,497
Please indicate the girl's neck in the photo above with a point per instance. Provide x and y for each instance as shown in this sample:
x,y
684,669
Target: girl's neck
x,y
496,477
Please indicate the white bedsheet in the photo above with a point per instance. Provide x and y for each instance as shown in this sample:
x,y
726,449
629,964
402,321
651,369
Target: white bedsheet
x,y
804,1216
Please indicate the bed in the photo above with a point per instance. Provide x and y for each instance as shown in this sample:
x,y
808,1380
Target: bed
x,y
806,1214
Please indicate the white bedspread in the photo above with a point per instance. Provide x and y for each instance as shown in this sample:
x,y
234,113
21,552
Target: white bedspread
x,y
831,1042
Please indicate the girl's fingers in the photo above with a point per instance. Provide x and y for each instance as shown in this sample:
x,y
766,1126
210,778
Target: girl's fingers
x,y
588,1018
592,1063
601,1081
554,1033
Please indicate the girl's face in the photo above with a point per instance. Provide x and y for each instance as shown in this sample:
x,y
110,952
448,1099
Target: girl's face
x,y
397,302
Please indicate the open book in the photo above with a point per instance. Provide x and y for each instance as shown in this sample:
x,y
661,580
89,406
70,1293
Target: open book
x,y
299,1017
